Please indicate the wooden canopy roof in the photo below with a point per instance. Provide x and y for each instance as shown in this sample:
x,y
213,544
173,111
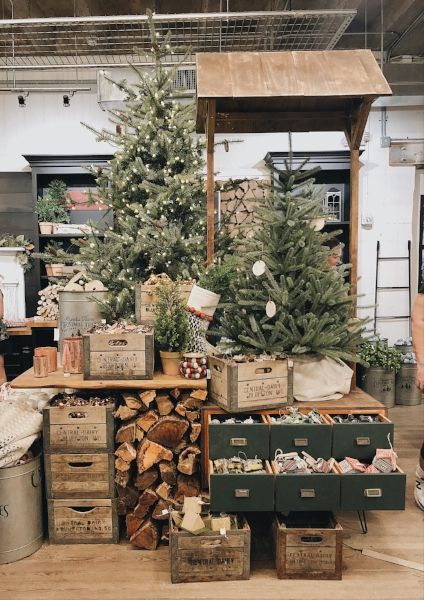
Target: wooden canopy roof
x,y
260,92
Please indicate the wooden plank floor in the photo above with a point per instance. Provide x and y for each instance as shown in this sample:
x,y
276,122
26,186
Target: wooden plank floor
x,y
110,572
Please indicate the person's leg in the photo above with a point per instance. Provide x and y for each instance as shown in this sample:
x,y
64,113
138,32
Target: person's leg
x,y
2,371
419,481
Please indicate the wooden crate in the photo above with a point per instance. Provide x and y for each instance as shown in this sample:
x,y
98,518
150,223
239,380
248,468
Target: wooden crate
x,y
304,551
240,387
79,429
85,521
145,300
209,556
79,475
115,356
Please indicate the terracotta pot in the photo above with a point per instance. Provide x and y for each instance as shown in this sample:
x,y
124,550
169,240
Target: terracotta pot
x,y
170,362
45,227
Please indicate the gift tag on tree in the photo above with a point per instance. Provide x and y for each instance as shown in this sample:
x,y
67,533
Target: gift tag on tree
x,y
270,309
258,268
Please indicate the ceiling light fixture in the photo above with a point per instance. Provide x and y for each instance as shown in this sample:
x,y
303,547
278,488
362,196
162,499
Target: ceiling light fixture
x,y
22,100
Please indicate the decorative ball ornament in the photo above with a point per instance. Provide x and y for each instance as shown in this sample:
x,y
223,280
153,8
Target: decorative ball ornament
x,y
317,224
258,268
270,309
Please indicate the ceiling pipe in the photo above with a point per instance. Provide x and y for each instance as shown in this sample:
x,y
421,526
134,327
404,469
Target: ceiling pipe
x,y
24,90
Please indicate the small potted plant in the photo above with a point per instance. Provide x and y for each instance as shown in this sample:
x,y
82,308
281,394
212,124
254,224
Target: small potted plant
x,y
378,378
171,326
53,207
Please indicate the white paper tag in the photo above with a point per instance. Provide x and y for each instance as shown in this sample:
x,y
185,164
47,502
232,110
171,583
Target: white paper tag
x,y
208,374
223,532
290,364
165,511
66,374
103,321
56,334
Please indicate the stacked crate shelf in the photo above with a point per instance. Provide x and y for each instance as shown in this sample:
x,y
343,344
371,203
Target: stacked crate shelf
x,y
79,467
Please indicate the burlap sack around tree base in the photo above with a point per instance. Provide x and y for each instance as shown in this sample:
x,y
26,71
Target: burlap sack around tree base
x,y
319,378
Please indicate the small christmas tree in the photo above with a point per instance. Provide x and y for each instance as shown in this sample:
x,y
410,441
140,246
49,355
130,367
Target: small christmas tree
x,y
153,185
285,297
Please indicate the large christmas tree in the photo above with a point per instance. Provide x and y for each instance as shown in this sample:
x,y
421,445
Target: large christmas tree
x,y
286,298
154,185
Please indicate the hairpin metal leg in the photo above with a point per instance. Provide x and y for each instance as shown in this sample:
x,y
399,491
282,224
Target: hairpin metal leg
x,y
363,521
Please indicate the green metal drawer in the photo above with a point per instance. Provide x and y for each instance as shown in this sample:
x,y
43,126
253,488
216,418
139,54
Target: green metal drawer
x,y
303,492
361,440
241,493
385,491
226,440
314,439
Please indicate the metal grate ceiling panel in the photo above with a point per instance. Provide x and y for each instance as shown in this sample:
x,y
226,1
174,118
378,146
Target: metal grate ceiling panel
x,y
105,41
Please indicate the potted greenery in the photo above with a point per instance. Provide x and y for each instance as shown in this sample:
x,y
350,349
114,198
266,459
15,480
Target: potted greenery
x,y
171,326
378,378
52,207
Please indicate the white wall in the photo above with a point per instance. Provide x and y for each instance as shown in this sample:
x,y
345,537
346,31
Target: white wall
x,y
387,193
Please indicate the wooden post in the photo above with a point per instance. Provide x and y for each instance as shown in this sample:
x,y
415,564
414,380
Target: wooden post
x,y
210,182
354,215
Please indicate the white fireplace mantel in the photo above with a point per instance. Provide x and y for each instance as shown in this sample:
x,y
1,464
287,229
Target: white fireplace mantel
x,y
12,284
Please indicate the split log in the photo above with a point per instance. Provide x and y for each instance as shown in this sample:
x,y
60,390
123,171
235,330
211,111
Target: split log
x,y
146,479
161,511
163,490
188,460
168,472
127,498
149,453
165,534
147,420
191,403
121,464
186,486
147,397
180,409
132,401
192,415
124,413
165,405
146,536
180,447
168,431
122,478
126,433
133,523
175,393
127,452
199,394
139,434
196,428
145,501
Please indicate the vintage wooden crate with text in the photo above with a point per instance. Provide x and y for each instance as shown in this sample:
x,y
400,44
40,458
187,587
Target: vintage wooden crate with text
x,y
145,300
79,429
79,475
87,521
119,356
210,556
243,386
308,546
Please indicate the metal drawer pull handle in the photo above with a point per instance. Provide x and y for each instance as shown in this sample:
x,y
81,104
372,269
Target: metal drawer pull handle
x,y
307,493
373,493
238,441
242,493
301,442
363,441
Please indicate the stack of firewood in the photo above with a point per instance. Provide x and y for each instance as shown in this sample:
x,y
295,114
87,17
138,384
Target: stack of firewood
x,y
48,304
157,459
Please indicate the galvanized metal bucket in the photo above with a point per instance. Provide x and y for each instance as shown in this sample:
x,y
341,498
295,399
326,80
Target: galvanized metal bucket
x,y
78,312
21,510
407,392
379,383
404,348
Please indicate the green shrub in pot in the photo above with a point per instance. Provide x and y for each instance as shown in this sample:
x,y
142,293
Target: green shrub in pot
x,y
378,379
380,355
171,326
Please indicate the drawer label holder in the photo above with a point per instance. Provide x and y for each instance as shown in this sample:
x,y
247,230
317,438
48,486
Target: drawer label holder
x,y
373,493
363,441
242,493
238,441
307,493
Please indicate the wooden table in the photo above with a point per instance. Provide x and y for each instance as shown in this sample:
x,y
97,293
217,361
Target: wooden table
x,y
356,401
58,380
30,324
